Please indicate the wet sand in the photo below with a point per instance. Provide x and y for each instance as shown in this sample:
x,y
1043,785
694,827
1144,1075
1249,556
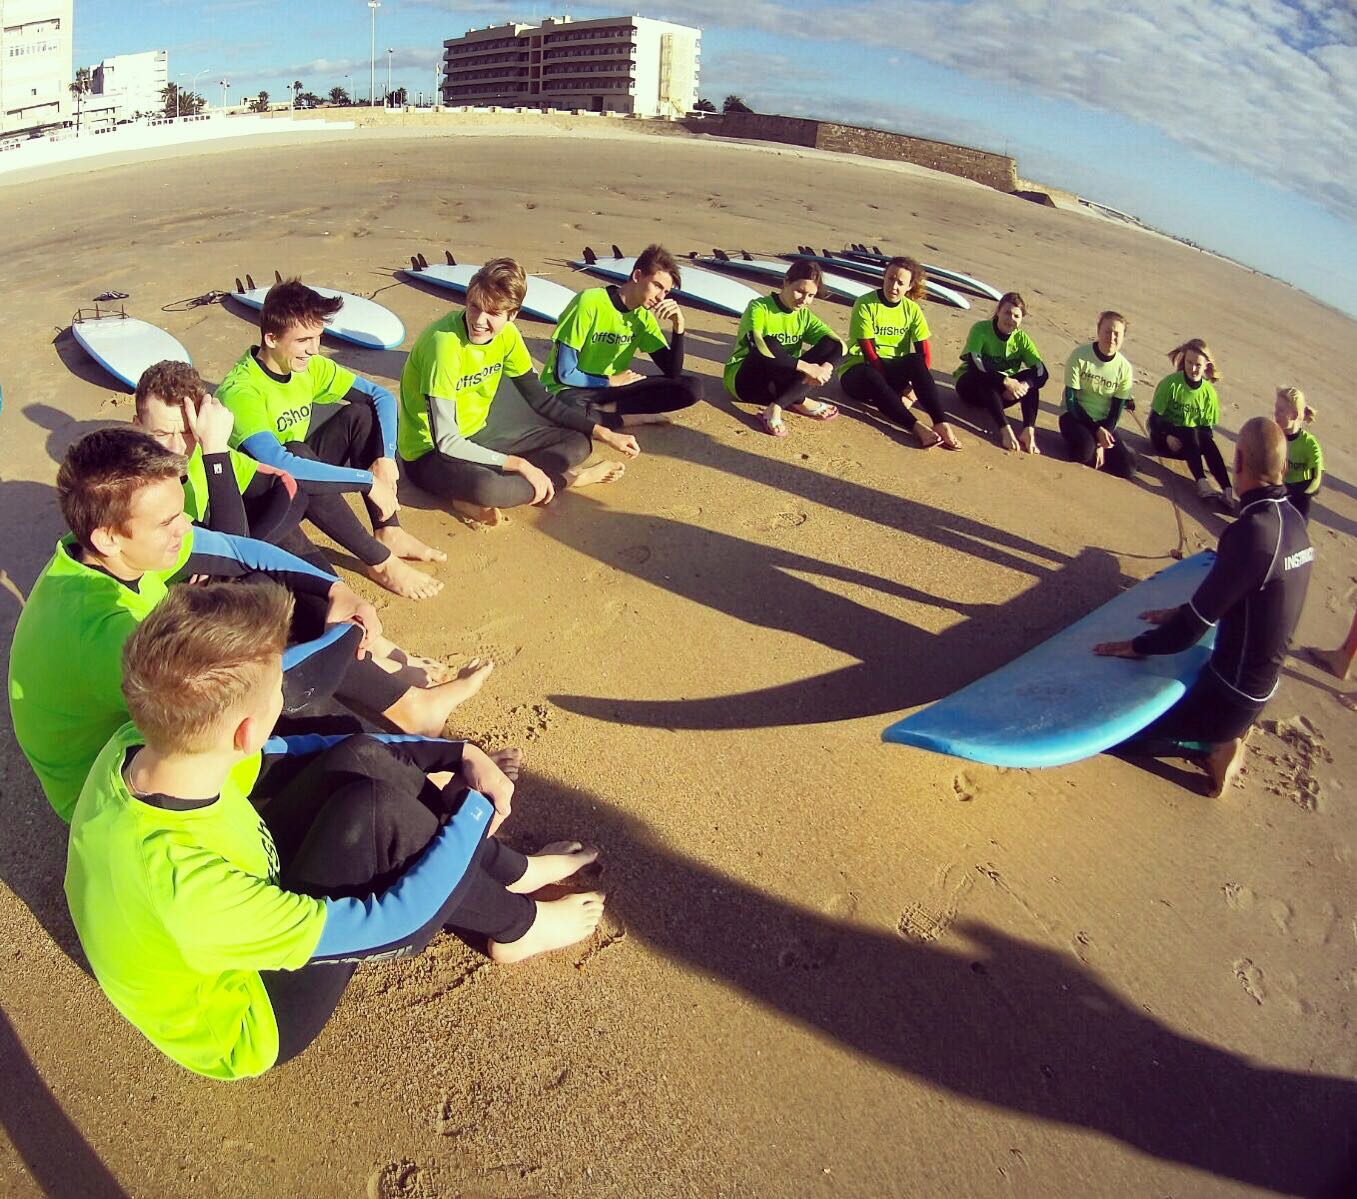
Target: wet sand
x,y
829,967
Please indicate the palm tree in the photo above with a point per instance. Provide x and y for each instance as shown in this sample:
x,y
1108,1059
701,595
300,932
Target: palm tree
x,y
296,91
735,104
79,89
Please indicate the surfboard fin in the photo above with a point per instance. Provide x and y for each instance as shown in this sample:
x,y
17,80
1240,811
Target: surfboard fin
x,y
249,280
746,255
277,278
721,255
414,262
589,256
616,252
423,263
876,250
448,255
238,284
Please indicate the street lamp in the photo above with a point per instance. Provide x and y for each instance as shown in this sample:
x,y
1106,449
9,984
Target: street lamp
x,y
389,53
179,96
348,89
225,87
372,59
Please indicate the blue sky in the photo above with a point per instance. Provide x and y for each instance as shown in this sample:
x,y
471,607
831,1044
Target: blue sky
x,y
1229,122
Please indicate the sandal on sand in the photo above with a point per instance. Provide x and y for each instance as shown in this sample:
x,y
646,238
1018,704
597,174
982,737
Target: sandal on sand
x,y
921,433
774,428
821,411
950,442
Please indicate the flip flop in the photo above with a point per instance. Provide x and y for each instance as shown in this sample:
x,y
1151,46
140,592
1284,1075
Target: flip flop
x,y
772,428
824,412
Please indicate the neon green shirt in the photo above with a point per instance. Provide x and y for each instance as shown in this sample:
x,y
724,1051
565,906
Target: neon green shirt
x,y
1002,355
65,665
1304,459
605,337
1097,383
179,910
768,319
895,329
195,480
445,364
261,404
1186,406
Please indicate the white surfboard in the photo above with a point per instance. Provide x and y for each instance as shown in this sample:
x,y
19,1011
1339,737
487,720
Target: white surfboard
x,y
703,287
544,300
836,285
943,273
360,321
125,346
935,291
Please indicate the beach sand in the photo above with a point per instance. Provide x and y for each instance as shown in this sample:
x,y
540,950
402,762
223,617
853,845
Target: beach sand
x,y
829,967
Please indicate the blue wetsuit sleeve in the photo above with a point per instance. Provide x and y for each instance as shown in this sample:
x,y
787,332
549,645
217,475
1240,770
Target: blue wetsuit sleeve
x,y
568,369
383,403
266,448
402,919
226,557
430,754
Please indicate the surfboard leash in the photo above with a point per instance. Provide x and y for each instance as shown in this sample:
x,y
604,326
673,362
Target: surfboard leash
x,y
208,297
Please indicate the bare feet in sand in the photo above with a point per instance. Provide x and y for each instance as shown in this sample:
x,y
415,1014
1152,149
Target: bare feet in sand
x,y
1335,661
950,441
925,436
559,922
1223,763
600,472
486,517
403,579
405,544
632,419
425,710
509,760
1008,440
1027,442
553,863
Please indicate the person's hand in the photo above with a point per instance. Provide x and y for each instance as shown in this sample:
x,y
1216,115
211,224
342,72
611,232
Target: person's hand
x,y
210,425
668,310
383,496
481,774
623,378
907,397
387,471
1016,388
623,443
1116,649
1159,615
347,605
1099,455
543,489
1105,439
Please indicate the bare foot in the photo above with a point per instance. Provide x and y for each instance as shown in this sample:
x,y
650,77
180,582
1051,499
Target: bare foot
x,y
950,441
403,579
1349,701
1223,763
509,760
1027,442
1335,661
489,517
425,710
405,544
559,923
553,863
1007,439
600,472
925,436
632,419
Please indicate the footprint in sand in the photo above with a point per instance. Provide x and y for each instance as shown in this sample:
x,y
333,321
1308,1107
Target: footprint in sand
x,y
784,520
636,554
394,1180
964,787
1251,979
928,918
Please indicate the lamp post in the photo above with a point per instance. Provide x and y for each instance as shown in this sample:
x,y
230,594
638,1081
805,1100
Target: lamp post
x,y
225,87
348,88
178,96
389,53
372,59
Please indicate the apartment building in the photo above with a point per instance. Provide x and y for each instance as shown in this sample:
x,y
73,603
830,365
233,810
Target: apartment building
x,y
612,64
132,84
36,63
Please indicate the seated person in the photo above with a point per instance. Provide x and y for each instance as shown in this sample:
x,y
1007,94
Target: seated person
x,y
1185,411
302,413
1304,458
129,541
1253,595
1000,367
223,912
766,365
888,356
461,439
600,331
1098,385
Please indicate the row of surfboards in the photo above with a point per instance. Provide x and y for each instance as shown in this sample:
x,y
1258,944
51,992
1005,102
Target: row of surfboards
x,y
124,346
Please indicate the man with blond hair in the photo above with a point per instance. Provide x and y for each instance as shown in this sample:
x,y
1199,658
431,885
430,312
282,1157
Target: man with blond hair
x,y
483,453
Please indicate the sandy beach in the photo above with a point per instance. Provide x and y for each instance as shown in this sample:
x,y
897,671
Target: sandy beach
x,y
829,967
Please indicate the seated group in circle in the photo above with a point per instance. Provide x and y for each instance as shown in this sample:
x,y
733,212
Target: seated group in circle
x,y
225,875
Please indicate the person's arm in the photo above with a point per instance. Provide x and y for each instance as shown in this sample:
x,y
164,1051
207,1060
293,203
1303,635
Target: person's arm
x,y
972,353
669,358
1114,407
1315,463
547,406
223,557
225,506
312,473
365,391
761,344
568,372
448,438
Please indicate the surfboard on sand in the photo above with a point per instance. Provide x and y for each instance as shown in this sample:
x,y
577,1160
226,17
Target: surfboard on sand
x,y
947,276
700,286
842,286
871,270
545,300
1060,702
360,322
123,345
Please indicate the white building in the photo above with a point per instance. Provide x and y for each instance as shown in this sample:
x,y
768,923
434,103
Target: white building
x,y
132,84
35,63
612,64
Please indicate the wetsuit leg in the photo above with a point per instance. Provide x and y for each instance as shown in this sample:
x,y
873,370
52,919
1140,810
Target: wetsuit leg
x,y
868,385
1209,714
1035,377
655,393
913,368
329,511
1120,460
1206,440
352,437
984,391
1079,439
1160,431
271,509
1300,500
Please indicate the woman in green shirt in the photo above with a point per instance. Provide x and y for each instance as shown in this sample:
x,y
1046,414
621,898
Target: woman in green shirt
x,y
1304,458
1000,367
1184,414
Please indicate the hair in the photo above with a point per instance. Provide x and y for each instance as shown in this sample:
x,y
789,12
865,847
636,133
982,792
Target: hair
x,y
499,286
101,474
171,383
918,288
803,268
1011,297
291,303
200,656
1178,353
1261,449
656,258
1110,314
1296,398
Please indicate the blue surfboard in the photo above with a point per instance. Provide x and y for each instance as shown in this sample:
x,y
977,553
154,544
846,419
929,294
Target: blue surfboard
x,y
1059,702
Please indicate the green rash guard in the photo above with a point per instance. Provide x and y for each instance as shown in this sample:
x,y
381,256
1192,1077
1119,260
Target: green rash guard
x,y
195,480
1304,460
1095,385
605,338
65,665
895,329
1182,404
448,368
987,350
178,911
768,319
261,404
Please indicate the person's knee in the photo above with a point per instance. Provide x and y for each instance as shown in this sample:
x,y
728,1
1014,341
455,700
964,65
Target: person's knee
x,y
689,389
576,448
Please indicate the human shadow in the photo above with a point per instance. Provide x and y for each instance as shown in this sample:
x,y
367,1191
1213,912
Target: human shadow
x,y
1002,1021
55,1153
30,523
63,430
